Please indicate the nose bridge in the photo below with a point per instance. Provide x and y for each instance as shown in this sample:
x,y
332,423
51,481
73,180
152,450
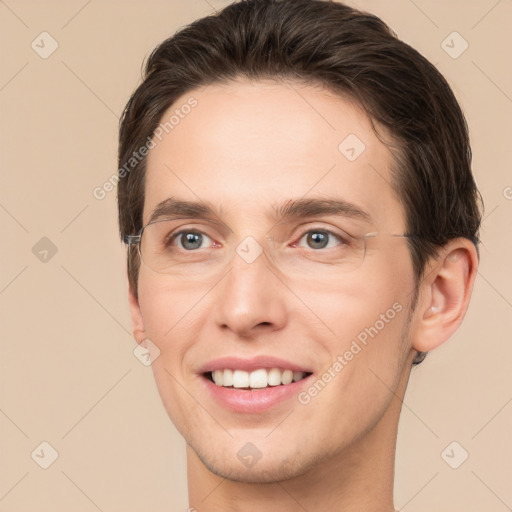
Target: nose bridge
x,y
250,295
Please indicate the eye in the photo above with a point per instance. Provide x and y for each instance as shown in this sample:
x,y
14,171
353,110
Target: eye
x,y
322,239
189,240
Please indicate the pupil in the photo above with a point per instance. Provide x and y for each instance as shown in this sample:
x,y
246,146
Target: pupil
x,y
193,239
318,239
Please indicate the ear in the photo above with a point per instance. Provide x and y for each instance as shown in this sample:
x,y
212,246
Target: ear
x,y
444,294
139,332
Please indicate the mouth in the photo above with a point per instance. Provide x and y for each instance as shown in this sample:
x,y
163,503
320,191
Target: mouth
x,y
256,385
260,378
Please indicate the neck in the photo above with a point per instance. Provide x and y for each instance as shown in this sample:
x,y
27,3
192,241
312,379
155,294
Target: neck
x,y
358,478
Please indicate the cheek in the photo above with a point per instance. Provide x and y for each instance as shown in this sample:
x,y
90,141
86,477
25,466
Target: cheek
x,y
366,352
367,314
164,303
351,305
167,311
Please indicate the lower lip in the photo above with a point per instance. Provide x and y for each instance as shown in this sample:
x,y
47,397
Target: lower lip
x,y
253,400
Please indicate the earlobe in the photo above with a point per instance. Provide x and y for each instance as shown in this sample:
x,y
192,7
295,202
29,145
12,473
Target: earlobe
x,y
445,294
139,332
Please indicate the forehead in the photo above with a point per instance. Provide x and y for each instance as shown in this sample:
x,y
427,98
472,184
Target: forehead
x,y
247,146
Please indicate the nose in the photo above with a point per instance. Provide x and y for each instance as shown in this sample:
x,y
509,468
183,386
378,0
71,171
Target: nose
x,y
251,298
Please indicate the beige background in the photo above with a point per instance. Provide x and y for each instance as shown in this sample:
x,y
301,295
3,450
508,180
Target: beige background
x,y
68,374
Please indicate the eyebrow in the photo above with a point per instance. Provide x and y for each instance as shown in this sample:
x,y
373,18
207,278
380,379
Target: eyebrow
x,y
308,207
174,208
291,209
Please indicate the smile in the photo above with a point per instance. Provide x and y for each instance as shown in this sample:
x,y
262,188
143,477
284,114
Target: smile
x,y
257,385
257,379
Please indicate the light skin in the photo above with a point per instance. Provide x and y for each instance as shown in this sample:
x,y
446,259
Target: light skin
x,y
245,147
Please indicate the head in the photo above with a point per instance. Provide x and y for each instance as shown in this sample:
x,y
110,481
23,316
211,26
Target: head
x,y
267,104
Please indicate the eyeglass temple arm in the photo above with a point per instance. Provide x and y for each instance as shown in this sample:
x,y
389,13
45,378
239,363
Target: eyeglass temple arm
x,y
131,239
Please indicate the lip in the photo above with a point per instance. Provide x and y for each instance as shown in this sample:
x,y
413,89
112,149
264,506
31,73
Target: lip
x,y
252,400
249,365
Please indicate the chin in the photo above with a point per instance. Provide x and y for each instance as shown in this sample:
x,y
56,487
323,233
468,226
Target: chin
x,y
265,470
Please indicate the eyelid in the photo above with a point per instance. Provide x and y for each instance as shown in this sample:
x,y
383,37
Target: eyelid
x,y
172,237
305,227
340,241
191,221
338,233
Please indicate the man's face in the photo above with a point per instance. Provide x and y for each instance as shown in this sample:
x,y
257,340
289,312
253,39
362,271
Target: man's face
x,y
303,304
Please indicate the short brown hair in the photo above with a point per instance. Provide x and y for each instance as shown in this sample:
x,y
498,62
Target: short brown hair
x,y
350,52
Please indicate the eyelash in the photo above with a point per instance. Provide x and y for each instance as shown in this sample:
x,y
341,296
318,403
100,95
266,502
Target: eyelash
x,y
331,234
174,236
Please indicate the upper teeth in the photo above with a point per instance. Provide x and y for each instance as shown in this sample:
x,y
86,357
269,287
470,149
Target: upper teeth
x,y
257,379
